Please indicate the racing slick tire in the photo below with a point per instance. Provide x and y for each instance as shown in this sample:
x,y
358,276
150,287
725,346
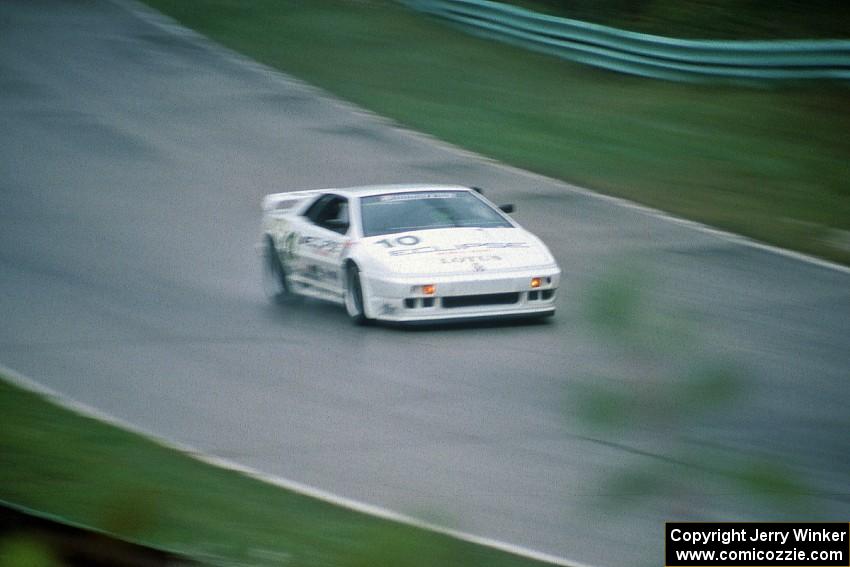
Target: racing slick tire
x,y
354,296
275,282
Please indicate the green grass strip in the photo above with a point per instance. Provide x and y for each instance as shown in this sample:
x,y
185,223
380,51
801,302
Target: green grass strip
x,y
769,163
91,473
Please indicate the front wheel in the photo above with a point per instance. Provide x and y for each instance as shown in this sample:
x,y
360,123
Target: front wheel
x,y
354,296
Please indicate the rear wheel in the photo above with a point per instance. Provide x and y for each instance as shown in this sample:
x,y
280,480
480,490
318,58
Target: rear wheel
x,y
354,296
275,282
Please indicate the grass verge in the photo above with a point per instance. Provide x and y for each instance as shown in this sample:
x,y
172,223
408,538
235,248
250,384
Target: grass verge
x,y
56,461
769,163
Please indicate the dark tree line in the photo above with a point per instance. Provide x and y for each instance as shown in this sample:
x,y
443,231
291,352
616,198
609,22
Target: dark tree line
x,y
734,19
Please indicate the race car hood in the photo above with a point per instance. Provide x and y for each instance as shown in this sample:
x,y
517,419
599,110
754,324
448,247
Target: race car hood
x,y
457,251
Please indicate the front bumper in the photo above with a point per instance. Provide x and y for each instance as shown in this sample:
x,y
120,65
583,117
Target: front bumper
x,y
463,296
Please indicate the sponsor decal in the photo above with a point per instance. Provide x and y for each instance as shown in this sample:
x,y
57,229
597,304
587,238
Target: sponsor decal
x,y
416,196
457,247
476,260
323,246
400,246
290,245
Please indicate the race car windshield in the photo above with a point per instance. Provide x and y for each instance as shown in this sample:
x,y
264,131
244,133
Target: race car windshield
x,y
402,212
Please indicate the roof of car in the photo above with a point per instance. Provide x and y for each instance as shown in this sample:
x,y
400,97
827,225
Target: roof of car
x,y
367,190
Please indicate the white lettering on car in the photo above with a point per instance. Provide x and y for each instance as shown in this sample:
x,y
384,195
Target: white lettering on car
x,y
469,259
456,247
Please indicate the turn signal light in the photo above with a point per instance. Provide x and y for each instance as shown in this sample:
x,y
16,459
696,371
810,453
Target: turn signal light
x,y
429,289
535,282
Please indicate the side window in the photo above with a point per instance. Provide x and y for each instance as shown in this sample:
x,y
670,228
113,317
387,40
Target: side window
x,y
315,210
330,212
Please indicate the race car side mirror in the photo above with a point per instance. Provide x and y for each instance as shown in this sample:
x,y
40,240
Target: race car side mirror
x,y
507,208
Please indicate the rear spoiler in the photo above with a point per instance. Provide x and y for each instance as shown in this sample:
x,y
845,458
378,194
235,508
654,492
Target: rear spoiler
x,y
285,201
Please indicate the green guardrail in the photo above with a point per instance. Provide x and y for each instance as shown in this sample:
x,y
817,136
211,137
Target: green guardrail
x,y
644,54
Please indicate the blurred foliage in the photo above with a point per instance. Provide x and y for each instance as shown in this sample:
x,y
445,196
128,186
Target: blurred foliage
x,y
672,380
664,384
26,551
770,482
719,19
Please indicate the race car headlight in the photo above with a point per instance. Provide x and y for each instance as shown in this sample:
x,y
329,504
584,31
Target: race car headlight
x,y
535,282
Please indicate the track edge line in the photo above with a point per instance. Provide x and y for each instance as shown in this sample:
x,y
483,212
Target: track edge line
x,y
53,396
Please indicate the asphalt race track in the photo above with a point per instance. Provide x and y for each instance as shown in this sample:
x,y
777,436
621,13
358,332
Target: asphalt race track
x,y
132,163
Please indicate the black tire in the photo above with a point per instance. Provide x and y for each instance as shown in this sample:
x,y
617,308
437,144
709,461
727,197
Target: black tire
x,y
274,274
354,296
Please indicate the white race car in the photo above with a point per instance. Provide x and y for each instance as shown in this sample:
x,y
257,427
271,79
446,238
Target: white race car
x,y
406,253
